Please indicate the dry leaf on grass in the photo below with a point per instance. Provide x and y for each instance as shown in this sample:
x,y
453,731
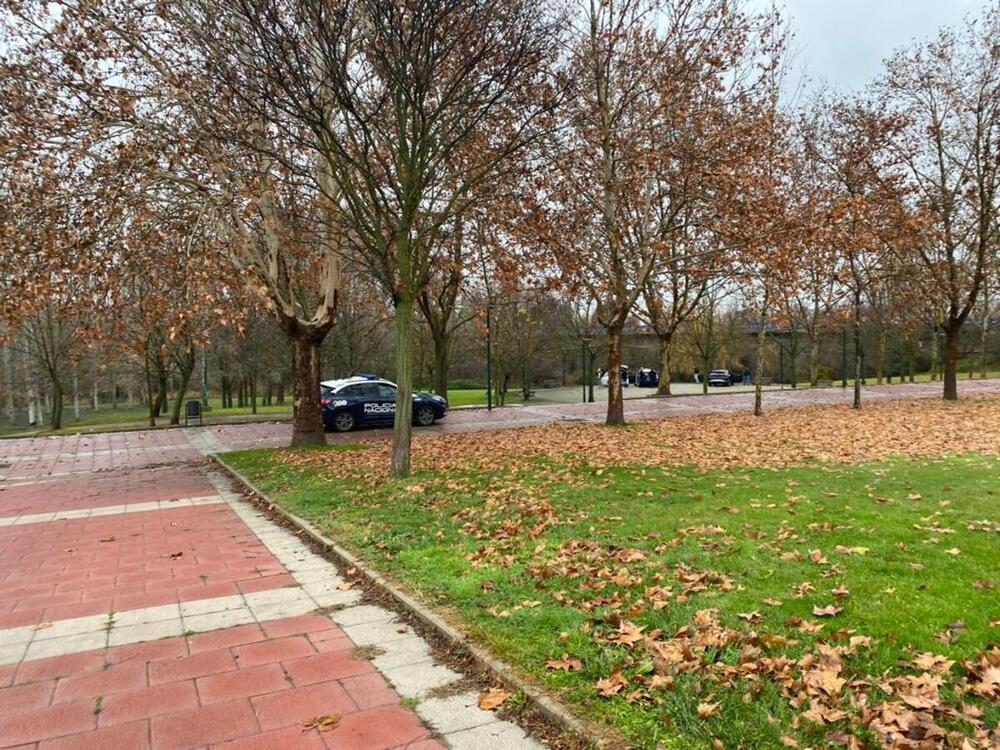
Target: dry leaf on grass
x,y
565,662
611,685
827,611
706,710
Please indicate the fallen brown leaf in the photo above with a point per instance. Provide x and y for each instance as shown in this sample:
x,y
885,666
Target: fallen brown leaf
x,y
493,698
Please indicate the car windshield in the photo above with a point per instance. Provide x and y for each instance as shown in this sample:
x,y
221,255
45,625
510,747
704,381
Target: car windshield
x,y
719,372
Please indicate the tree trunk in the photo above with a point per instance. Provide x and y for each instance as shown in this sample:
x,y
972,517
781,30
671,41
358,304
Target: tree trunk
x,y
935,360
984,334
758,387
307,417
161,394
185,365
150,402
814,352
8,380
281,389
95,396
253,393
402,431
880,363
442,343
76,393
616,402
858,352
951,333
57,403
666,347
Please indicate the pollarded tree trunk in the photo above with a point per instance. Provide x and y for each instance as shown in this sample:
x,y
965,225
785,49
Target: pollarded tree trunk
x,y
951,333
666,364
307,417
402,430
616,404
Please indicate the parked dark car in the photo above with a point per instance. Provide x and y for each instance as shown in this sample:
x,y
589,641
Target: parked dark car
x,y
367,400
719,377
646,378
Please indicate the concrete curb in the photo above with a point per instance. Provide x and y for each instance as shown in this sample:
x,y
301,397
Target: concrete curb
x,y
545,705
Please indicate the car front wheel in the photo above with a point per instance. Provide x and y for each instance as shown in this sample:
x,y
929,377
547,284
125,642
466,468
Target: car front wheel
x,y
424,416
343,421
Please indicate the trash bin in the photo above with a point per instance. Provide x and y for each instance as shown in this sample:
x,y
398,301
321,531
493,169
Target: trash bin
x,y
192,410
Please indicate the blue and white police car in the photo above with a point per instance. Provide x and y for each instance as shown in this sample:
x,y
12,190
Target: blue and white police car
x,y
369,400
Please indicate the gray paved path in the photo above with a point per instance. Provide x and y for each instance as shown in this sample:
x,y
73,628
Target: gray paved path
x,y
274,434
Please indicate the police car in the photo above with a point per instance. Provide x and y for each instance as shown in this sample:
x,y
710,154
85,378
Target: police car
x,y
369,400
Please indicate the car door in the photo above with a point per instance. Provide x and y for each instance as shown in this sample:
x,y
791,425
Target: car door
x,y
366,399
386,397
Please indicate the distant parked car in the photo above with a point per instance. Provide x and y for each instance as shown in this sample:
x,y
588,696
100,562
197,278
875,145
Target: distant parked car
x,y
719,377
368,400
624,376
646,378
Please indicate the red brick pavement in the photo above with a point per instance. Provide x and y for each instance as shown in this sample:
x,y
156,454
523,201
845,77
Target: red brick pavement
x,y
72,568
37,458
252,686
103,489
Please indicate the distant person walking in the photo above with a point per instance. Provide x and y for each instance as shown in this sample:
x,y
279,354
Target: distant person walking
x,y
747,380
697,375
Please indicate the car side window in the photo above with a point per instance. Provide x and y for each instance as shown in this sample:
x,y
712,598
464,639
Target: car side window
x,y
353,390
386,391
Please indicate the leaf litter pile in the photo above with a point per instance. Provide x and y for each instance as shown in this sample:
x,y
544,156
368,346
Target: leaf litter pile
x,y
785,437
713,581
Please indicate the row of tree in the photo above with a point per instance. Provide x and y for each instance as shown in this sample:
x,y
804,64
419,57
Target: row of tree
x,y
170,167
536,340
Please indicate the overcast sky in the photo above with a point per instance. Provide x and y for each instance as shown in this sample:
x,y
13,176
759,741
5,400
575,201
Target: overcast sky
x,y
845,41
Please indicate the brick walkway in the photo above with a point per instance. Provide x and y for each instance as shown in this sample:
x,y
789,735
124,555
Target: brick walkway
x,y
145,605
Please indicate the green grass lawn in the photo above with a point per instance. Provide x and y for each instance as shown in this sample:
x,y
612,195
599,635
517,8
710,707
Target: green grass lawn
x,y
552,558
466,397
106,418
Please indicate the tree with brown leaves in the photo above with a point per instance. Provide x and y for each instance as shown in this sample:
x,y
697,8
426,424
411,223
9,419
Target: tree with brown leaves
x,y
947,91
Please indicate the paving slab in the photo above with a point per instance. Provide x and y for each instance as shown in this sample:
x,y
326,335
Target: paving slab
x,y
145,604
